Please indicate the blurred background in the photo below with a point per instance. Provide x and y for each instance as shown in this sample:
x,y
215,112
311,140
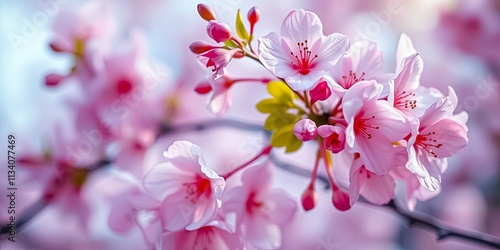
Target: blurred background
x,y
459,42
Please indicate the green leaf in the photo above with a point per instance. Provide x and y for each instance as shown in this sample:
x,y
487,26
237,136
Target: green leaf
x,y
240,28
280,90
231,44
279,119
285,138
269,105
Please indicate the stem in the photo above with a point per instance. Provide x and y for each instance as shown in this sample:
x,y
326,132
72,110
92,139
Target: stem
x,y
328,166
262,80
442,231
265,151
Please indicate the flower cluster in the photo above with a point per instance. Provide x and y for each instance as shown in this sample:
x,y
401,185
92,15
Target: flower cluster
x,y
372,127
188,206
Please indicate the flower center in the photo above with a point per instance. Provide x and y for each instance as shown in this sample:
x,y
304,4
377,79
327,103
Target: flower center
x,y
351,79
427,142
252,205
361,126
403,101
123,87
304,59
196,189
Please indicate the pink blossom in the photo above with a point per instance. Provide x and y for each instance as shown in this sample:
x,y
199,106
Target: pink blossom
x,y
217,58
220,94
305,130
205,12
321,92
334,137
190,191
219,31
435,136
76,27
213,236
373,125
302,54
362,62
377,189
259,209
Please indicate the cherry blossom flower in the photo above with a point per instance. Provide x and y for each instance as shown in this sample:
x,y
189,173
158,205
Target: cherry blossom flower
x,y
74,27
190,192
305,130
213,236
377,189
334,137
362,62
220,90
218,58
373,125
302,54
435,136
259,209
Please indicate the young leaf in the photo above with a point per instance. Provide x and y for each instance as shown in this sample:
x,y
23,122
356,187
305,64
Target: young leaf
x,y
240,28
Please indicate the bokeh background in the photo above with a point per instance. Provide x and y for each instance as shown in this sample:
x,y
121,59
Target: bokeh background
x,y
459,42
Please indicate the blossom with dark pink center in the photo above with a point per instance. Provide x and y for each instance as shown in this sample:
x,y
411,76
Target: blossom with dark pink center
x,y
302,54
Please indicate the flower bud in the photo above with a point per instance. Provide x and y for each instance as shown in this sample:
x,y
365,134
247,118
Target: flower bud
x,y
253,15
334,137
305,130
203,87
219,31
309,198
199,47
321,92
340,200
53,79
205,12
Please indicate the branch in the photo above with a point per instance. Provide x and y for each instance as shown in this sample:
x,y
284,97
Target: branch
x,y
441,229
414,219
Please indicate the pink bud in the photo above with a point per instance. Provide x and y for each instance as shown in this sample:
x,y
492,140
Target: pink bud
x,y
205,12
340,200
203,87
253,15
199,47
334,137
305,130
309,198
53,79
321,92
219,31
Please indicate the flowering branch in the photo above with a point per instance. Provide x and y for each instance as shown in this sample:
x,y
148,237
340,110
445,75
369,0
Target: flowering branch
x,y
414,219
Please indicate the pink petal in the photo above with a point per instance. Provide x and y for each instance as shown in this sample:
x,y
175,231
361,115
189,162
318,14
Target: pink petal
x,y
451,134
262,234
379,189
300,25
185,155
279,207
408,78
405,49
220,102
165,179
376,153
331,49
390,122
274,53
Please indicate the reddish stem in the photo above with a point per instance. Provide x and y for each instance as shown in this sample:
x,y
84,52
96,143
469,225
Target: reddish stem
x,y
264,151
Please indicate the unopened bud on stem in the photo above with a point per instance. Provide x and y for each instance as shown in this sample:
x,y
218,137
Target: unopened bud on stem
x,y
219,31
205,12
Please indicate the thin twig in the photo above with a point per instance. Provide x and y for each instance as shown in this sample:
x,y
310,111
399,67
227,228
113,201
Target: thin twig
x,y
442,230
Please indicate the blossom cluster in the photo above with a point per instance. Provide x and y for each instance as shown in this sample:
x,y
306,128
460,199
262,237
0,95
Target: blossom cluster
x,y
372,127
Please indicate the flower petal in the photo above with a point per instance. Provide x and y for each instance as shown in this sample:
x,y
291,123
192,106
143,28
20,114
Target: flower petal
x,y
300,25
